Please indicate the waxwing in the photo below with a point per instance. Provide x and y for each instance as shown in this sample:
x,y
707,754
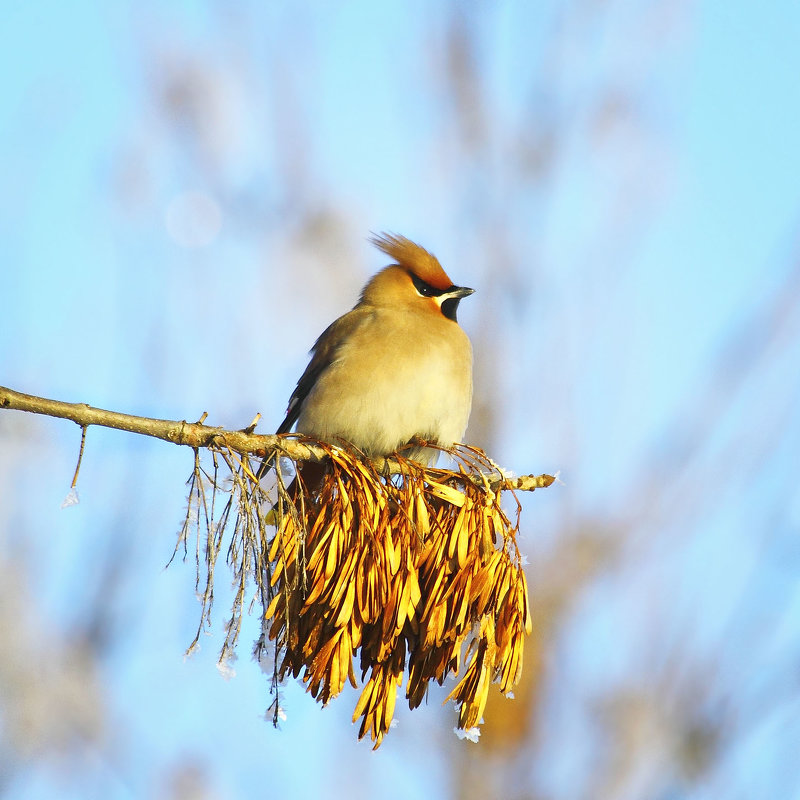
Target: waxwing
x,y
396,368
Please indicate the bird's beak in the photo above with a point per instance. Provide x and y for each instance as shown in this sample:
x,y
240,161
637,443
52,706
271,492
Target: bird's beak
x,y
450,299
459,292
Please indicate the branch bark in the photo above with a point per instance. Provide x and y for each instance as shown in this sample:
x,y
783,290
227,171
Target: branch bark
x,y
198,435
180,432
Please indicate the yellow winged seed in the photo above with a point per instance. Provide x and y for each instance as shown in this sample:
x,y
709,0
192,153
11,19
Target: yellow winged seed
x,y
318,527
512,665
391,699
344,655
519,649
351,675
371,594
355,632
461,617
439,555
344,498
367,516
481,576
284,535
273,605
344,574
427,549
488,519
403,608
333,678
463,538
346,609
390,610
318,587
478,703
318,545
439,623
455,532
363,727
423,520
324,663
452,586
275,628
526,605
466,686
380,703
447,493
490,570
500,582
377,512
392,553
415,595
428,632
486,544
273,549
277,571
433,593
514,671
364,699
362,592
330,556
500,522
367,473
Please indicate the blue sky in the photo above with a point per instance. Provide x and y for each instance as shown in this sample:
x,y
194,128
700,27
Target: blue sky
x,y
664,218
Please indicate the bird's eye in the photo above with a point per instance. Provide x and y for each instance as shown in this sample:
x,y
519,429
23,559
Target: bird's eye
x,y
425,289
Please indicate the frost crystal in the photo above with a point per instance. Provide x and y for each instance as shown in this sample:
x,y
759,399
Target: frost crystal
x,y
470,734
264,655
225,668
275,715
71,499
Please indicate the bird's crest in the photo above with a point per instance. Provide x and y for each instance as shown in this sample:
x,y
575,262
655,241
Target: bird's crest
x,y
414,258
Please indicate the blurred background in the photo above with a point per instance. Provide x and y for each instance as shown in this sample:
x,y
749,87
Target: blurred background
x,y
185,194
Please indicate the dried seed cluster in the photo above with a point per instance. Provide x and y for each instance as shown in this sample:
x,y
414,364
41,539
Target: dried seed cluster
x,y
412,573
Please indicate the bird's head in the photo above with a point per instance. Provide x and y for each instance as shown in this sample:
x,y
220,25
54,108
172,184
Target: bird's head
x,y
416,280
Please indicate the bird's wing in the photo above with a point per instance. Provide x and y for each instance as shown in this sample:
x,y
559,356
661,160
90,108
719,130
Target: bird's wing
x,y
323,354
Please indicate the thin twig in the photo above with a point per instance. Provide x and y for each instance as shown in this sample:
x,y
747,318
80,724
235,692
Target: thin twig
x,y
80,458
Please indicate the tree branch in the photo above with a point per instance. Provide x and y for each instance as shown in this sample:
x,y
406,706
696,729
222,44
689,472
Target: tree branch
x,y
180,432
198,435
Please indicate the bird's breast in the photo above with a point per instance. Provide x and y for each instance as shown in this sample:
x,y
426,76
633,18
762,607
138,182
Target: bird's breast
x,y
394,380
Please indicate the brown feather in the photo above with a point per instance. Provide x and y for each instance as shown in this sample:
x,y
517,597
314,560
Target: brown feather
x,y
414,258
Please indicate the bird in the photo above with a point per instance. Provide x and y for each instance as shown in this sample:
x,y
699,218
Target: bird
x,y
394,370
